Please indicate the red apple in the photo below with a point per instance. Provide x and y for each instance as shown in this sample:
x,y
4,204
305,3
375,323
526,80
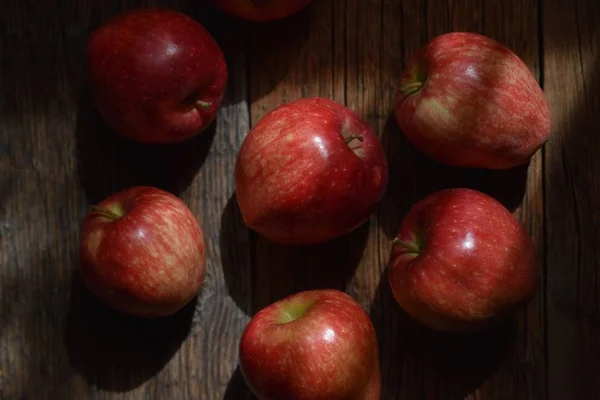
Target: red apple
x,y
461,262
468,101
312,345
156,75
261,10
309,171
142,252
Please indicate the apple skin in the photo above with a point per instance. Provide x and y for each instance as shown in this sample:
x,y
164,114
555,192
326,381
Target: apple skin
x,y
466,100
261,10
156,75
142,252
311,345
299,182
461,262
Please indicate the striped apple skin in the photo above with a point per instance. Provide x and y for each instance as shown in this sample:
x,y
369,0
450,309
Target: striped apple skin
x,y
142,252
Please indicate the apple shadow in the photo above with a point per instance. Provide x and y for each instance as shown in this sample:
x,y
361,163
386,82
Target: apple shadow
x,y
108,162
7,188
238,248
413,175
10,287
277,270
507,186
237,389
118,352
419,362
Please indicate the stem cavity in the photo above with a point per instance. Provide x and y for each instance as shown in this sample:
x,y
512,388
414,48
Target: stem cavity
x,y
411,88
104,212
294,311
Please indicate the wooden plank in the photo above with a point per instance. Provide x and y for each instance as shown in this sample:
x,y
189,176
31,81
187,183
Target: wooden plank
x,y
292,59
572,81
363,45
523,375
40,200
57,157
222,313
288,60
211,353
329,50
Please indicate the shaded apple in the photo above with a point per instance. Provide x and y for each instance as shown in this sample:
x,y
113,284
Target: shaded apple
x,y
156,75
261,10
309,171
462,262
312,345
142,252
467,100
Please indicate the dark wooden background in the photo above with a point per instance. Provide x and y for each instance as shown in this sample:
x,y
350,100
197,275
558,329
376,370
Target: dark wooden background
x,y
57,157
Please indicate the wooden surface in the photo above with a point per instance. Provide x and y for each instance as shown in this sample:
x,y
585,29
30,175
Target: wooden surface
x,y
57,157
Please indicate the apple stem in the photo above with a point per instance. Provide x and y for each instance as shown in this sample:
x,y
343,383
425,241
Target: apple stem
x,y
411,88
352,137
103,212
409,247
203,104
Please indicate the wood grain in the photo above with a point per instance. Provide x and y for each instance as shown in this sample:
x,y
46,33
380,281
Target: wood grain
x,y
572,81
41,201
57,157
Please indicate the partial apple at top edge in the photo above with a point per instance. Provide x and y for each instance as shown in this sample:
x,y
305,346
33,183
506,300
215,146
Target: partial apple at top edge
x,y
261,10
